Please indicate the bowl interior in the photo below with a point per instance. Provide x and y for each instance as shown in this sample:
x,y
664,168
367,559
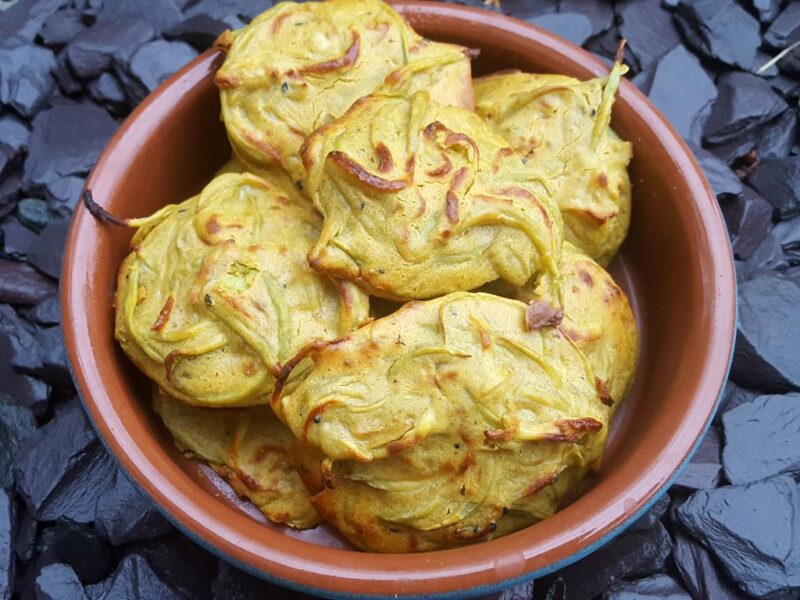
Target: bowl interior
x,y
675,267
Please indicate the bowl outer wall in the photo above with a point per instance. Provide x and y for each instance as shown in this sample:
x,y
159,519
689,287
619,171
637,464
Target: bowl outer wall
x,y
470,570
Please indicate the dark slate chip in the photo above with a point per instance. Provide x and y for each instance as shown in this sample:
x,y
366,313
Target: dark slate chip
x,y
22,389
652,516
723,180
108,91
775,139
525,9
10,185
657,587
25,81
761,438
771,254
59,582
721,30
188,568
731,398
14,134
134,578
80,547
234,13
94,50
61,27
605,44
749,218
632,554
518,592
557,590
649,30
27,528
700,574
64,469
32,213
200,31
55,364
681,104
574,27
67,81
47,255
63,194
20,284
753,530
17,239
766,353
162,13
125,515
233,584
745,102
704,469
788,87
69,543
600,14
767,9
7,535
785,30
152,64
25,354
47,312
24,18
778,181
16,426
66,140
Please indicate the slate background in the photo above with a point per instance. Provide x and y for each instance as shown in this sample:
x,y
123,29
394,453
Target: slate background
x,y
72,527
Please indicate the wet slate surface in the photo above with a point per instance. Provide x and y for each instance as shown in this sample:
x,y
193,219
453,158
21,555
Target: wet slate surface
x,y
699,572
753,530
76,68
7,527
720,30
769,324
17,425
761,438
704,470
59,582
657,587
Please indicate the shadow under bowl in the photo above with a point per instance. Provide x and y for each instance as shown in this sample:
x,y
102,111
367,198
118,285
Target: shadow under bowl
x,y
676,266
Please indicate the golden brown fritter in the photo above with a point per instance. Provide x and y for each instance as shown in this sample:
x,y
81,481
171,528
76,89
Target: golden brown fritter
x,y
561,125
298,66
249,448
217,293
421,199
426,428
597,317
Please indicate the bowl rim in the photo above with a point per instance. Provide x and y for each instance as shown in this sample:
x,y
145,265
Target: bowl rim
x,y
481,572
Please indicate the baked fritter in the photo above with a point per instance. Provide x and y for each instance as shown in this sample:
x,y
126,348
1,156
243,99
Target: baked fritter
x,y
298,66
427,428
561,125
249,448
597,318
217,293
421,199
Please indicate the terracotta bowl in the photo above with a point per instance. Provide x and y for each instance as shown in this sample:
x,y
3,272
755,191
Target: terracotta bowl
x,y
676,266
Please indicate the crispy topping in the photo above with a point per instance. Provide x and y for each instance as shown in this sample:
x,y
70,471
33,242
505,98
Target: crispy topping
x,y
540,314
351,167
385,158
602,390
163,316
347,60
540,484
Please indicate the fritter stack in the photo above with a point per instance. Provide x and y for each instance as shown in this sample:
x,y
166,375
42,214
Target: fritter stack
x,y
471,408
